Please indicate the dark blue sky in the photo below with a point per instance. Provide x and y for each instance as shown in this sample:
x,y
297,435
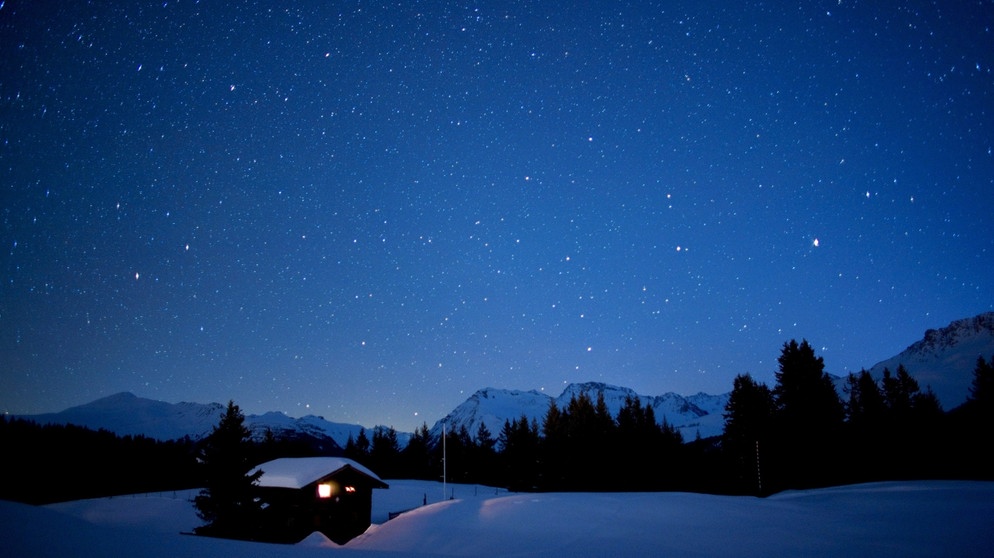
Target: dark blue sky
x,y
369,211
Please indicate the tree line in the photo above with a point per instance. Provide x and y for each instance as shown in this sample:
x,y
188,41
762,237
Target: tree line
x,y
46,463
579,447
801,432
42,464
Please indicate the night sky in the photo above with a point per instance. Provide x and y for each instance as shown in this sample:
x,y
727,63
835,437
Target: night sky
x,y
368,211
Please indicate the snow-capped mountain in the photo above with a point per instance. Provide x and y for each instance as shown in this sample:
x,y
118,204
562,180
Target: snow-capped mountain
x,y
945,358
126,414
492,406
700,414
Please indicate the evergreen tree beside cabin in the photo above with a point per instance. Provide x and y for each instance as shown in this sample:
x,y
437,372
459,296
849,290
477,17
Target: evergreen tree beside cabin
x,y
227,503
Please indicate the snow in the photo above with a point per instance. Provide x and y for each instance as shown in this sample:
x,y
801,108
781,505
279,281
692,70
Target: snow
x,y
298,472
491,407
128,414
924,518
944,360
697,415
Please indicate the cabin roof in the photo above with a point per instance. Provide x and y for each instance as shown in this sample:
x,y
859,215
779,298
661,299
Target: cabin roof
x,y
298,472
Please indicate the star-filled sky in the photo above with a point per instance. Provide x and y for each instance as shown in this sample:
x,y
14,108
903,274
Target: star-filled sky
x,y
367,211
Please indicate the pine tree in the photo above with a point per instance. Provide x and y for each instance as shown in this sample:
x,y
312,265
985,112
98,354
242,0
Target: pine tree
x,y
867,412
808,420
385,451
748,412
583,427
484,439
899,392
519,441
484,454
979,409
805,395
629,419
982,386
459,448
604,427
866,406
358,449
554,447
505,436
227,503
748,416
415,458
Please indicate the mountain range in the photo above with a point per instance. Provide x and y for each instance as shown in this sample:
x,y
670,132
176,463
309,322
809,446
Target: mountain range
x,y
943,360
126,414
696,415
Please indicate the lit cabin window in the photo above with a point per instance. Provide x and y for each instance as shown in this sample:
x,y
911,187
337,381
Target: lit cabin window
x,y
350,489
324,491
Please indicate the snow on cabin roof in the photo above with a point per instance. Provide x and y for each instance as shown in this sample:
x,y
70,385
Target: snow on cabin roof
x,y
298,472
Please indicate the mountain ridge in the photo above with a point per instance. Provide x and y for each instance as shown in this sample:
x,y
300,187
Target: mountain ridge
x,y
943,360
491,407
127,414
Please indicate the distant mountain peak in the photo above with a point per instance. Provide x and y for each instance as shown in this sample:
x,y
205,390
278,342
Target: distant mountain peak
x,y
493,407
124,397
956,332
944,359
595,388
128,414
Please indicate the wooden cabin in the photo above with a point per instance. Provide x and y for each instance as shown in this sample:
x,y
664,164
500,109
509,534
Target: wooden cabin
x,y
332,495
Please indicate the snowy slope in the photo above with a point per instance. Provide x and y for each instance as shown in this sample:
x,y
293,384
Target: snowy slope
x,y
945,358
316,427
126,414
491,406
908,519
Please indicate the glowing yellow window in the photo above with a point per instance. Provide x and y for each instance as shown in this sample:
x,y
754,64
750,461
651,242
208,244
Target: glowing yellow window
x,y
324,490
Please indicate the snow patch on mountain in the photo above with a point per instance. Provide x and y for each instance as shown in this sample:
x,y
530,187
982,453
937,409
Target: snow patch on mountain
x,y
698,415
491,407
945,358
126,414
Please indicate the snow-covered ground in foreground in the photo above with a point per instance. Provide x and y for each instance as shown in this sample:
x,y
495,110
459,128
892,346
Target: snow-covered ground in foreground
x,y
933,518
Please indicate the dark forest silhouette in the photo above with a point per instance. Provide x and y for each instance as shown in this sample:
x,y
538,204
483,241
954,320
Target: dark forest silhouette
x,y
799,433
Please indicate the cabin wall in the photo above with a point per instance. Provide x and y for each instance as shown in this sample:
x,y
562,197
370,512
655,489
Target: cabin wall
x,y
292,514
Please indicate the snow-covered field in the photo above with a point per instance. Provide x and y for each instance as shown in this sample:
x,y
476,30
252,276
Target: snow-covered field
x,y
933,518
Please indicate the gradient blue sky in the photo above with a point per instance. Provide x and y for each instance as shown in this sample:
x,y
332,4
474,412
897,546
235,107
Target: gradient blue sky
x,y
367,211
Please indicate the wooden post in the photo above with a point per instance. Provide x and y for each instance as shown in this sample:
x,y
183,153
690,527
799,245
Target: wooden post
x,y
759,476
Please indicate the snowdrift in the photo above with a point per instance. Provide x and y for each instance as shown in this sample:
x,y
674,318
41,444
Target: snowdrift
x,y
933,518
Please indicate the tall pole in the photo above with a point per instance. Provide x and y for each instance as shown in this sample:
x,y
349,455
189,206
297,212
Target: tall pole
x,y
444,462
759,477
